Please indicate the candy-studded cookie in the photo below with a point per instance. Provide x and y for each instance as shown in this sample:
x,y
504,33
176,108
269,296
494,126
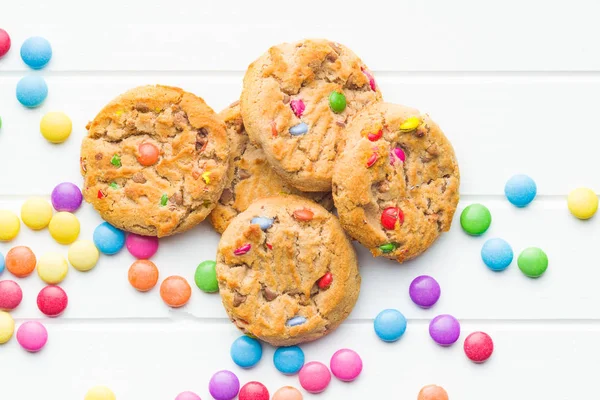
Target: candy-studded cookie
x,y
396,184
155,161
296,103
287,272
250,175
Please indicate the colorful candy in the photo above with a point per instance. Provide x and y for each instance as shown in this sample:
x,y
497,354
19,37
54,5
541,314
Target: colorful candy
x,y
475,219
240,251
108,239
296,321
100,393
246,351
9,225
370,78
83,255
444,329
7,327
387,248
298,107
175,291
372,160
520,190
4,42
224,385
583,203
303,215
432,392
410,124
148,154
264,222
390,325
206,277
52,268
116,160
399,153
299,129
288,360
373,137
32,336
424,291
325,281
56,127
32,90
187,396
52,300
143,275
64,227
533,262
36,52
253,391
36,213
346,365
20,261
390,216
478,347
337,102
314,377
497,254
287,393
141,247
10,295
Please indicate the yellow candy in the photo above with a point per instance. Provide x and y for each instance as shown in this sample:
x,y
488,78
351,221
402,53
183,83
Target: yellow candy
x,y
64,227
36,213
9,225
100,393
83,255
206,177
583,203
52,268
7,327
410,124
56,127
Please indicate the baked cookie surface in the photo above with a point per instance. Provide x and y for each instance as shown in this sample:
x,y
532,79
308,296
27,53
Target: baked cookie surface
x,y
285,105
155,161
287,272
396,185
250,175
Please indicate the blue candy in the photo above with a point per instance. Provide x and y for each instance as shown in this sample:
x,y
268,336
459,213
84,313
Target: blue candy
x,y
264,222
497,254
36,52
2,263
108,239
288,360
246,352
299,129
520,190
390,325
32,91
298,320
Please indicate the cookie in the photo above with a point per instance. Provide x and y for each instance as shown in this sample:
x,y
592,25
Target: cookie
x,y
396,184
250,175
287,110
287,272
155,161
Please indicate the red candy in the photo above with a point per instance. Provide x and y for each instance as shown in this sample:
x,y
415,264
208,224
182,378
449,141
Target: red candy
x,y
297,107
101,194
148,154
52,301
478,347
273,128
304,215
242,250
270,246
375,136
325,281
372,160
371,79
10,295
253,391
4,42
390,215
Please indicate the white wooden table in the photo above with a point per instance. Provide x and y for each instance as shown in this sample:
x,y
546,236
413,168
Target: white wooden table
x,y
514,84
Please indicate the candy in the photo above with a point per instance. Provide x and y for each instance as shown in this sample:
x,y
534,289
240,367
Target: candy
x,y
242,249
187,396
444,329
432,392
147,154
206,177
533,262
56,127
32,336
83,255
296,321
478,347
224,385
496,254
370,78
164,199
387,248
314,377
36,52
116,160
273,128
143,275
583,203
399,153
390,216
390,325
20,261
52,268
100,393
288,360
4,42
475,219
325,281
10,295
141,247
64,227
410,124
253,391
372,160
36,213
520,190
66,196
108,239
424,291
52,300
299,129
175,291
304,215
287,393
206,277
264,222
373,137
2,263
7,327
9,225
246,352
346,365
298,107
337,102
32,91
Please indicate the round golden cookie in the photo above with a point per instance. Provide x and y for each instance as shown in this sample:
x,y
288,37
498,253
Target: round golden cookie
x,y
287,272
155,161
250,175
396,184
286,109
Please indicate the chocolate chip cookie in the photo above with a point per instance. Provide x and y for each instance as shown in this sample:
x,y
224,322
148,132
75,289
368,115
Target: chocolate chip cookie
x,y
155,161
287,272
250,175
396,184
296,102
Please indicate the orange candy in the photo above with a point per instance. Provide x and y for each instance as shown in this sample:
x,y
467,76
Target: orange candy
x,y
143,275
148,154
432,392
175,291
20,261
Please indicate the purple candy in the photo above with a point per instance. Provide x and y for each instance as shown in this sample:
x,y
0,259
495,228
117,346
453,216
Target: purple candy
x,y
187,396
66,197
424,291
224,385
444,329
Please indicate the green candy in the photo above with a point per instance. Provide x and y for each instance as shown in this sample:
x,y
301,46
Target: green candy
x,y
475,219
387,248
533,262
337,102
116,160
163,200
206,277
114,185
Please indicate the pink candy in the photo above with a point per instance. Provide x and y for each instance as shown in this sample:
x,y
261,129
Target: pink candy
x,y
10,295
398,152
297,107
141,247
32,336
314,377
346,365
242,250
371,79
187,396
